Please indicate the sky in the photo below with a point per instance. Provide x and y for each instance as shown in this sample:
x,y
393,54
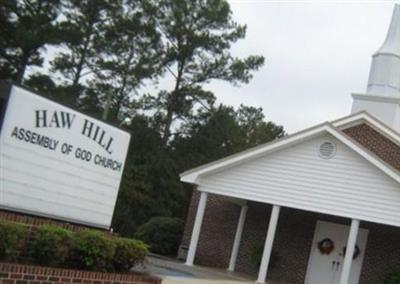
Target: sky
x,y
317,53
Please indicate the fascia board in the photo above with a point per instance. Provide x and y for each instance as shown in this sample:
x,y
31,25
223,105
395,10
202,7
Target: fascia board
x,y
191,176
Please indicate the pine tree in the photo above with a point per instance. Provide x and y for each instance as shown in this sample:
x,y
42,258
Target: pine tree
x,y
26,27
197,35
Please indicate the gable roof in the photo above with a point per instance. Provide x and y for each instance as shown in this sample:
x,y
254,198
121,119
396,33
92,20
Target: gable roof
x,y
365,117
333,128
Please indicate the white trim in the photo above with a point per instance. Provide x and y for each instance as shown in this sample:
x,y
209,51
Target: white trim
x,y
192,176
269,242
367,155
313,248
377,98
238,237
194,240
364,117
348,258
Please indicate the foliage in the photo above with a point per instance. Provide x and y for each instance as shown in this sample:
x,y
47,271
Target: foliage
x,y
54,246
12,240
93,250
128,53
107,50
256,255
198,35
150,185
51,245
26,27
163,234
128,253
220,132
393,278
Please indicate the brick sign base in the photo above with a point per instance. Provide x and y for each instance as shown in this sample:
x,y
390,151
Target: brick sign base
x,y
27,274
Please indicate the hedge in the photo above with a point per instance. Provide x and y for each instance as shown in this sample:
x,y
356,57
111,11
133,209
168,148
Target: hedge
x,y
163,234
393,278
53,246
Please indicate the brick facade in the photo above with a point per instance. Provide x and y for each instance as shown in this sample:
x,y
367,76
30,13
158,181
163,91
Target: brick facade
x,y
292,243
295,230
25,274
35,221
376,143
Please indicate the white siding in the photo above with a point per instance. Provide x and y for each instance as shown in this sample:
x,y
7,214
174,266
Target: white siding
x,y
346,185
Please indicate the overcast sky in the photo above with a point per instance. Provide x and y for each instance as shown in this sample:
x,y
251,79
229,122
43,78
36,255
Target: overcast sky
x,y
317,54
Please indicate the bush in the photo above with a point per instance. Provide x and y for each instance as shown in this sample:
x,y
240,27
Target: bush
x,y
51,245
54,246
12,240
128,253
393,278
93,250
163,234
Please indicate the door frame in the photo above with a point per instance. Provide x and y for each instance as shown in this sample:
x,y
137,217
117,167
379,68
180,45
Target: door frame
x,y
314,246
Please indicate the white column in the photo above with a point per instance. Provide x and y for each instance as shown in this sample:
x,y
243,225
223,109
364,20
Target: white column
x,y
348,258
196,228
273,222
238,237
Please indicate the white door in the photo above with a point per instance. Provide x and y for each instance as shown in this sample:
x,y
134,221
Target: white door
x,y
327,254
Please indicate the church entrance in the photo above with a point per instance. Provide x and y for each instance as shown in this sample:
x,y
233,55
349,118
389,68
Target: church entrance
x,y
327,254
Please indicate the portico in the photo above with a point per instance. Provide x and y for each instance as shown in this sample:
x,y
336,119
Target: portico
x,y
309,171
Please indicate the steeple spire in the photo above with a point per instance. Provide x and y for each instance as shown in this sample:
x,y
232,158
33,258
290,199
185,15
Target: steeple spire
x,y
382,99
384,78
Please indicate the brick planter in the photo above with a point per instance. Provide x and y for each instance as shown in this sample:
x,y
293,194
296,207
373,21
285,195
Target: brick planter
x,y
28,274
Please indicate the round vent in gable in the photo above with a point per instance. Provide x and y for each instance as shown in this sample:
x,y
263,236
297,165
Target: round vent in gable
x,y
327,150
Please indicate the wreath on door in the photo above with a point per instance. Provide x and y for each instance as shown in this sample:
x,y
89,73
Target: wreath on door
x,y
326,246
357,252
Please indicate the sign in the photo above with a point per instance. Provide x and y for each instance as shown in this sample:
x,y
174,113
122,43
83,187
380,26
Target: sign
x,y
58,163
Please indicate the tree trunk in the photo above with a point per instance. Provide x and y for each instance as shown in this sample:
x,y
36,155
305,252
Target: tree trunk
x,y
22,67
170,105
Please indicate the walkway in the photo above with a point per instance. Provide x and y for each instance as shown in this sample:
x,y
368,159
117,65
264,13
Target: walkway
x,y
175,272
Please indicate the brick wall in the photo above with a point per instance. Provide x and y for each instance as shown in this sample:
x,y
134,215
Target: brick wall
x,y
25,274
292,244
376,143
35,221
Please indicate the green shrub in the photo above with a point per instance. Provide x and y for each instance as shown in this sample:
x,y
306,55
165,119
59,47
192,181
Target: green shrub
x,y
163,234
93,250
393,278
128,253
12,240
54,246
51,245
256,255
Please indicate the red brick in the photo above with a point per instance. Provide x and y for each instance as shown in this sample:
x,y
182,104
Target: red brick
x,y
375,142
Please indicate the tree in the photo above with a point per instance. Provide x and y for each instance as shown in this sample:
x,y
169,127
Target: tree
x,y
129,52
26,27
220,132
84,27
198,35
150,185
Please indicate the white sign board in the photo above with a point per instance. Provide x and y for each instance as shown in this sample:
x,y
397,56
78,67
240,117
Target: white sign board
x,y
58,163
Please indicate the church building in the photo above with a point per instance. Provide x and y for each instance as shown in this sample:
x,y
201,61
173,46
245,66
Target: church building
x,y
321,206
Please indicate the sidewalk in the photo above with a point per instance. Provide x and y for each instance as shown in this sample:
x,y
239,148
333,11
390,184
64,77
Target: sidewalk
x,y
175,272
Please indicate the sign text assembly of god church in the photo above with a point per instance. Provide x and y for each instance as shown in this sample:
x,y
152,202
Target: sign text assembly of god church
x,y
57,162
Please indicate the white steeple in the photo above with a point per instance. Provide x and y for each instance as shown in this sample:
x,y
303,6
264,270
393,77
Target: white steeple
x,y
383,91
